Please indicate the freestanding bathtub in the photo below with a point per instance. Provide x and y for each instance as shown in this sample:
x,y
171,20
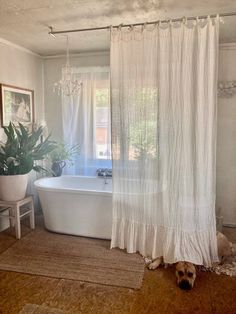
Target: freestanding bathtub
x,y
77,205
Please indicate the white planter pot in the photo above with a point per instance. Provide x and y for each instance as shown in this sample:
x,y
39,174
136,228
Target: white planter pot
x,y
13,188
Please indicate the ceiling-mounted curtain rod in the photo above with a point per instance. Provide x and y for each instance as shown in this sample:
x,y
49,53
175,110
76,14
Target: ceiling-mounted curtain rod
x,y
52,32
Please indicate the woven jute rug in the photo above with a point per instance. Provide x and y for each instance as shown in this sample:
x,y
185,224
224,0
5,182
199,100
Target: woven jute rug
x,y
77,258
40,309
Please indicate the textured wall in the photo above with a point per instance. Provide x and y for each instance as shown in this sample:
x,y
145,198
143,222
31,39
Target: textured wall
x,y
26,22
226,139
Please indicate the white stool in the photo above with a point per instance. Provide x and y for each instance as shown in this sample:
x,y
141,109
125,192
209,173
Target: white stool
x,y
15,213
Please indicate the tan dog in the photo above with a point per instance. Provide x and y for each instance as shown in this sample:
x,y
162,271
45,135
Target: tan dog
x,y
224,247
186,271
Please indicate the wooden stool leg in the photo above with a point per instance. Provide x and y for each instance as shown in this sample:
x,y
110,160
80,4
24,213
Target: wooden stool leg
x,y
17,221
32,219
12,220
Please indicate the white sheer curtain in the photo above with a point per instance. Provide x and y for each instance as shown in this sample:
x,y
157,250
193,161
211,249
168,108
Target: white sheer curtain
x,y
163,91
83,119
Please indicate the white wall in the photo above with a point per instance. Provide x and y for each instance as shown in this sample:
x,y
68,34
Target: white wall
x,y
52,74
22,68
226,139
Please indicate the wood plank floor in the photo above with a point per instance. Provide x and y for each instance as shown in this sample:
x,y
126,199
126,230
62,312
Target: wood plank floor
x,y
159,293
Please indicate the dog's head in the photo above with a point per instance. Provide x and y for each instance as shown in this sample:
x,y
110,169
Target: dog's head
x,y
186,274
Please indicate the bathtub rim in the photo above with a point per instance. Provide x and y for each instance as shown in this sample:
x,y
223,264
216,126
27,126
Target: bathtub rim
x,y
71,190
81,191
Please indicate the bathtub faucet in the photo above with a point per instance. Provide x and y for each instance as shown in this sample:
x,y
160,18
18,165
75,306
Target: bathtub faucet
x,y
105,177
105,173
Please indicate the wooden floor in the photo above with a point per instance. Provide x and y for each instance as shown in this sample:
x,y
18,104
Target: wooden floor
x,y
159,293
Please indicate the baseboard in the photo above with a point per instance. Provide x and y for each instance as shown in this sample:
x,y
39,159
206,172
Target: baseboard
x,y
229,225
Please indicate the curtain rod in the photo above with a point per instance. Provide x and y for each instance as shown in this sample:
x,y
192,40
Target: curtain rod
x,y
53,33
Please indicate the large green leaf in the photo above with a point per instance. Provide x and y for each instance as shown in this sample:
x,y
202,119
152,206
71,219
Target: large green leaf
x,y
22,148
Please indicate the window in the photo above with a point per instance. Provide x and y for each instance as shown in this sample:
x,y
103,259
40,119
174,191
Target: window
x,y
102,123
87,122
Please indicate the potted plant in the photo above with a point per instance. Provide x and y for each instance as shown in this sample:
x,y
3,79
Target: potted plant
x,y
61,155
18,156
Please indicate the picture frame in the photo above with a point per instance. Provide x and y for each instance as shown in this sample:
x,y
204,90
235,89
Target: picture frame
x,y
16,105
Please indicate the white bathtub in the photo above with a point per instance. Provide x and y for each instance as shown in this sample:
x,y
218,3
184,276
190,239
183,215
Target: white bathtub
x,y
77,205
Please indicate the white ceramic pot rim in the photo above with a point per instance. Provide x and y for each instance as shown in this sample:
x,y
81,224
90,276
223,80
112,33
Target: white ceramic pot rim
x,y
13,175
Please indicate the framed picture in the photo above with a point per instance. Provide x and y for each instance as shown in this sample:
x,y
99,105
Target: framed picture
x,y
16,105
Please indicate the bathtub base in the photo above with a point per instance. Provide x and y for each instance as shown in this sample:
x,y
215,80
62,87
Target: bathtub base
x,y
79,213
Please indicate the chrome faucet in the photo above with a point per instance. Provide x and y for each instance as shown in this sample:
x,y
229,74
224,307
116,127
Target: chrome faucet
x,y
105,176
105,173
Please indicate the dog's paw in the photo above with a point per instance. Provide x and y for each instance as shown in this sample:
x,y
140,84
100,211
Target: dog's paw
x,y
155,264
152,266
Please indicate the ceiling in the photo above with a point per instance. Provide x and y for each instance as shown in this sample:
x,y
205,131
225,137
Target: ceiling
x,y
26,22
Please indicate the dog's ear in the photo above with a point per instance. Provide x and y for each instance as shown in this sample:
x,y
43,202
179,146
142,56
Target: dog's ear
x,y
198,268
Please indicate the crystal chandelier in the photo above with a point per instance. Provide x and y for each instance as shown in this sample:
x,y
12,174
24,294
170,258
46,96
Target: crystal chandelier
x,y
69,84
226,89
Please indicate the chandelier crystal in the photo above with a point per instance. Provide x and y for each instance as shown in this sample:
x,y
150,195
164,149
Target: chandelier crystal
x,y
226,89
69,84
